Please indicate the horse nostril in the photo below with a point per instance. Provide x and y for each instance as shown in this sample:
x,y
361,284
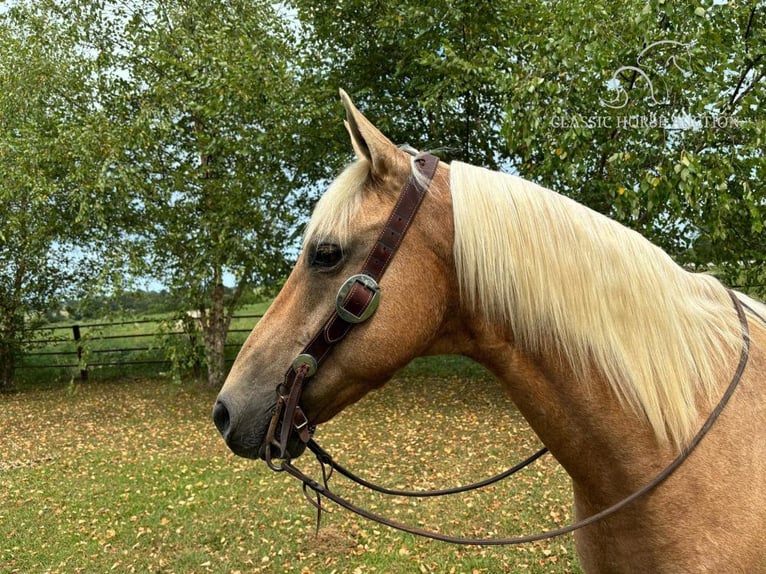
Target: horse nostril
x,y
221,418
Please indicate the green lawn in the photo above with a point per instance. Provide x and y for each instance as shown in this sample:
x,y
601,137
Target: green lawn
x,y
131,476
137,341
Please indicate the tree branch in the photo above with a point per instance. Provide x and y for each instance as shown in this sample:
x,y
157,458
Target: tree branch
x,y
736,96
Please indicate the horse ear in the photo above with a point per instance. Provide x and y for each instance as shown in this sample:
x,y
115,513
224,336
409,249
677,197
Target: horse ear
x,y
367,140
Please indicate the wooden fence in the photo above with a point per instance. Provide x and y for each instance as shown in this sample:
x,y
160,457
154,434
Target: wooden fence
x,y
80,348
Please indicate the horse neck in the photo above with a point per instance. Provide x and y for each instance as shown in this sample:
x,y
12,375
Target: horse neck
x,y
604,447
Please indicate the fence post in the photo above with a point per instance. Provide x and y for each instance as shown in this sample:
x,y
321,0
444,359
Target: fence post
x,y
76,333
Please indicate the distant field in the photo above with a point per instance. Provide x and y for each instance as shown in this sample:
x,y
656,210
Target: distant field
x,y
131,476
139,341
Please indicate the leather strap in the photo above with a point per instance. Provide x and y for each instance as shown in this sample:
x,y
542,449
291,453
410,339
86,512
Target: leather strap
x,y
391,236
324,458
323,490
356,302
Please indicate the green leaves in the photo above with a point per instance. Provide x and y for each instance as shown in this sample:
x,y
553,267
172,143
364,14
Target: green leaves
x,y
182,141
46,170
651,120
559,91
162,139
202,169
420,70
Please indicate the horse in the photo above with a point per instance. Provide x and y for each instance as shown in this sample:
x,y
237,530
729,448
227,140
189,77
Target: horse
x,y
613,353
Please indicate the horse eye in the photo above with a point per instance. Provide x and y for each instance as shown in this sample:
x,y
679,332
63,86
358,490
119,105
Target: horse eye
x,y
325,255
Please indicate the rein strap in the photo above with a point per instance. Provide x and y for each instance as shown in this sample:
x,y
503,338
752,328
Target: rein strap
x,y
323,490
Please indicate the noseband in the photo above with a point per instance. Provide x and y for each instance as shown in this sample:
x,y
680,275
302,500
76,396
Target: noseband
x,y
356,302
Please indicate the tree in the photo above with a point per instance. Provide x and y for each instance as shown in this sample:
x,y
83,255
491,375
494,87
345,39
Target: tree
x,y
46,147
650,112
204,110
421,69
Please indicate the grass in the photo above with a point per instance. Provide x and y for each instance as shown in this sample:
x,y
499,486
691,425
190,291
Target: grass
x,y
140,341
131,476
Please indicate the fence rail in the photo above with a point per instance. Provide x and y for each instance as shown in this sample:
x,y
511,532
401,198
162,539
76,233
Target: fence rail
x,y
88,346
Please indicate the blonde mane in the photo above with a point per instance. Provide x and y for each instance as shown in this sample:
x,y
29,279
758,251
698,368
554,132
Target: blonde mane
x,y
338,206
556,272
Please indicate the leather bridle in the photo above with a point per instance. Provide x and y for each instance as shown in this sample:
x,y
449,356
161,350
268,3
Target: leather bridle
x,y
356,301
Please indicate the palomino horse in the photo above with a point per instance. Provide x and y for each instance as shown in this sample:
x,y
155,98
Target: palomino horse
x,y
615,355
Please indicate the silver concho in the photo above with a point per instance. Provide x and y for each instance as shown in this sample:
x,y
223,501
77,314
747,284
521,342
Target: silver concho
x,y
343,292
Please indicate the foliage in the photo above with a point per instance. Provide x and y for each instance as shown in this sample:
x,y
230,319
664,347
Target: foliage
x,y
421,70
128,302
179,339
650,112
203,169
205,138
133,477
136,303
182,140
167,145
46,148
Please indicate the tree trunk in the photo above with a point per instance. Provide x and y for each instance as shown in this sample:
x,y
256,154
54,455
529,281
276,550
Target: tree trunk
x,y
7,367
216,358
11,326
215,322
8,351
215,328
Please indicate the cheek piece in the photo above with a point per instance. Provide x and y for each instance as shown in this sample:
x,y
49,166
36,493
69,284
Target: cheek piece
x,y
357,300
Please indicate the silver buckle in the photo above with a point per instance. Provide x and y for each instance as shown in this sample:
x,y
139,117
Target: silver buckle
x,y
367,282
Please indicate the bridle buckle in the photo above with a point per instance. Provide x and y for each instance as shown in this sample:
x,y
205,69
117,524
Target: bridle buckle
x,y
345,297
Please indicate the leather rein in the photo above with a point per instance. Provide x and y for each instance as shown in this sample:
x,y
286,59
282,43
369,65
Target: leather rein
x,y
356,302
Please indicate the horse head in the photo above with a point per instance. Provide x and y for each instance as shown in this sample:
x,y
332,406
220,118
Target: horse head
x,y
416,296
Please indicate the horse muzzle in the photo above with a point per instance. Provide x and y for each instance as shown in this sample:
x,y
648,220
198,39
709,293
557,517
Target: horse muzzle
x,y
244,426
